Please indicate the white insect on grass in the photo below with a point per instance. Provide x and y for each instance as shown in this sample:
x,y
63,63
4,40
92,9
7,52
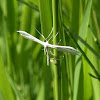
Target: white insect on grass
x,y
47,45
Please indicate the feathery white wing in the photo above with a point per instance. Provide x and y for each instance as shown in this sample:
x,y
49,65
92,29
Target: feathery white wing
x,y
65,49
29,36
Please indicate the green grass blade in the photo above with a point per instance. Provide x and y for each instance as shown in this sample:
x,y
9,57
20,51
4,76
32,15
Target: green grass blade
x,y
82,33
85,23
95,82
4,83
29,5
46,26
56,67
11,33
23,53
16,91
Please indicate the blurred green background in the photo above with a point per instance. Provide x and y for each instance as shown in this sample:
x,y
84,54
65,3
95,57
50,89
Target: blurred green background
x,y
24,74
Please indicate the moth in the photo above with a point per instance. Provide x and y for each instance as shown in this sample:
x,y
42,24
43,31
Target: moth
x,y
47,46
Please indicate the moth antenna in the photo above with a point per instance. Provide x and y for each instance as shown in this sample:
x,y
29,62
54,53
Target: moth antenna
x,y
50,38
55,36
50,33
40,33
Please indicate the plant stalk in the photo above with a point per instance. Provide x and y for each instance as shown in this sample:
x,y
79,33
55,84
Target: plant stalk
x,y
56,67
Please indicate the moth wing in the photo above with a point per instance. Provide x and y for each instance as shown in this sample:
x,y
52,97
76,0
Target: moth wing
x,y
65,49
26,35
29,36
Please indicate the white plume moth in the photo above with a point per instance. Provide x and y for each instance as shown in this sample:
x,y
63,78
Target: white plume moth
x,y
47,45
